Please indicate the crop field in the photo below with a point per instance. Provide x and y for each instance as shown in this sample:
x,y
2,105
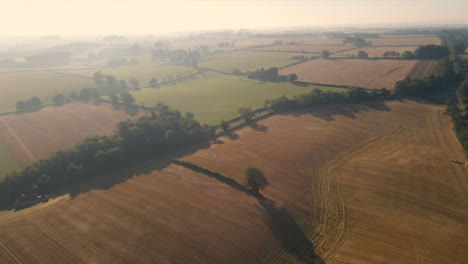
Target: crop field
x,y
32,136
376,51
8,162
372,74
213,97
247,61
343,186
360,181
143,72
423,69
306,48
405,41
23,85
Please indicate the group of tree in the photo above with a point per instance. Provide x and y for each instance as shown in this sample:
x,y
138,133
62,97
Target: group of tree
x,y
325,54
357,40
362,54
177,57
109,84
33,102
163,131
115,62
300,58
270,75
431,52
153,83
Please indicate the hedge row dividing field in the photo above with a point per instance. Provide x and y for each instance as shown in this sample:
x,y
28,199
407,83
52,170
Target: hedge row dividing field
x,y
347,184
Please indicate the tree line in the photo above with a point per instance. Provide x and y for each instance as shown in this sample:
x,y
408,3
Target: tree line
x,y
163,131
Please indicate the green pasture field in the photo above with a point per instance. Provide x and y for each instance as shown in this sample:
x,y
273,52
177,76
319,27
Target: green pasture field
x,y
214,97
247,60
23,85
8,162
143,72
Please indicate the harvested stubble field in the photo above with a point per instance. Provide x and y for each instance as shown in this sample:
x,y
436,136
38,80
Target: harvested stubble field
x,y
405,41
371,74
306,48
247,61
374,52
368,185
358,184
36,135
423,69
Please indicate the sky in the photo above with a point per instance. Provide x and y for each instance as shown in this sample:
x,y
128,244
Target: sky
x,y
86,17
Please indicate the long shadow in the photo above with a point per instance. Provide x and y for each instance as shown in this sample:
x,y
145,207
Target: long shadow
x,y
255,126
284,227
131,110
124,172
328,112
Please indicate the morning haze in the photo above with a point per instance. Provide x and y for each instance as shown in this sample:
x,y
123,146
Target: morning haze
x,y
234,132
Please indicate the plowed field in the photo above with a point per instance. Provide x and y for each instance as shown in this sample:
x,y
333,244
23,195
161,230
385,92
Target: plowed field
x,y
372,74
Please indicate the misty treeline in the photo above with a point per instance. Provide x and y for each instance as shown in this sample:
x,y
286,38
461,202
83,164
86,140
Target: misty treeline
x,y
176,57
163,131
33,102
270,75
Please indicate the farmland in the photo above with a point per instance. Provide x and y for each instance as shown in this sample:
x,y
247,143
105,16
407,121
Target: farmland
x,y
350,197
306,48
376,51
23,85
247,61
213,97
144,71
33,136
304,41
405,41
372,74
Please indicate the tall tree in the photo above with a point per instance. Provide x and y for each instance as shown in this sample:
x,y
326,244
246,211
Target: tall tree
x,y
154,83
127,98
325,54
255,179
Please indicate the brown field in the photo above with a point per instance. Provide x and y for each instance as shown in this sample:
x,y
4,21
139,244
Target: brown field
x,y
405,41
357,184
32,136
306,48
423,69
372,74
376,51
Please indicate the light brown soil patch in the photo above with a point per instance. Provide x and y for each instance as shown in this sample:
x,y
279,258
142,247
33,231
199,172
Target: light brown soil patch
x,y
372,74
33,136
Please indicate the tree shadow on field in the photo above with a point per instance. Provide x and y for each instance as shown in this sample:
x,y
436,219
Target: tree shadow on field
x,y
123,172
328,112
131,110
284,227
255,126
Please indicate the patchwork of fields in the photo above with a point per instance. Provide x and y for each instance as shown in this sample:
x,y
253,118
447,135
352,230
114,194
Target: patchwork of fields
x,y
342,185
34,136
213,97
375,51
372,74
306,48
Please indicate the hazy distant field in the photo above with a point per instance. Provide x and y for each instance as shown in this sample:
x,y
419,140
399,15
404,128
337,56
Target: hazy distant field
x,y
214,97
405,40
247,60
307,48
143,72
376,51
8,162
23,85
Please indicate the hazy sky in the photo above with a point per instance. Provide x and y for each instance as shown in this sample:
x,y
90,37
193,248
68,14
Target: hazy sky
x,y
88,17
